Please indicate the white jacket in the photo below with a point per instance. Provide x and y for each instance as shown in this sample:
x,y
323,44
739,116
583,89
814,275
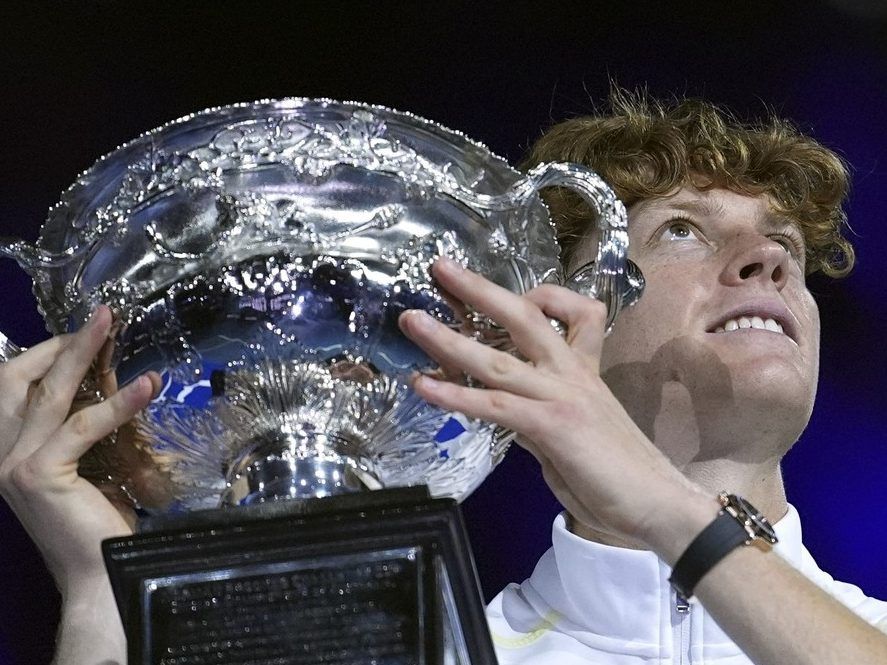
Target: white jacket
x,y
591,603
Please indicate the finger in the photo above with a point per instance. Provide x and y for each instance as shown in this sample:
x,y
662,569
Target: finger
x,y
18,377
34,363
530,330
515,412
105,374
445,369
493,368
106,377
51,401
80,432
156,383
585,318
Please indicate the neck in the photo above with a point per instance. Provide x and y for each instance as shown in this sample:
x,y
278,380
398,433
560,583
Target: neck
x,y
718,443
760,483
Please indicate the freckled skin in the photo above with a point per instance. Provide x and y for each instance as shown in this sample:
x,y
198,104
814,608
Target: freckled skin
x,y
703,254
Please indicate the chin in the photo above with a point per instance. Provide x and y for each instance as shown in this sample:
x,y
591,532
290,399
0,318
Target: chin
x,y
776,394
774,374
759,395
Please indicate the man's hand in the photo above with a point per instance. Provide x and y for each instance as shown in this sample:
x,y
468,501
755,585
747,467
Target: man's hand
x,y
599,464
610,477
41,443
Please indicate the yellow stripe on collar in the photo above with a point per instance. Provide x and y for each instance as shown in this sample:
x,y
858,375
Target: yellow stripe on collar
x,y
547,623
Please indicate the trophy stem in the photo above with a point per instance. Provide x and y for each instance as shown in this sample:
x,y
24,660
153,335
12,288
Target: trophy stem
x,y
287,467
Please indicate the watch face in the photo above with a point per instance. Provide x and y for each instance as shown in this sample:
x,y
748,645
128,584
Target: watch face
x,y
759,523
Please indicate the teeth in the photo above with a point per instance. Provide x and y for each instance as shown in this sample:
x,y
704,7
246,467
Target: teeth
x,y
756,322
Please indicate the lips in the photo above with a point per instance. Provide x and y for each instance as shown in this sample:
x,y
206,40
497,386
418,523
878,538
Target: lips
x,y
771,317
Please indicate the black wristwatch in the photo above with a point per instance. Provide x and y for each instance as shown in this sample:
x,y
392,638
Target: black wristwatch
x,y
738,523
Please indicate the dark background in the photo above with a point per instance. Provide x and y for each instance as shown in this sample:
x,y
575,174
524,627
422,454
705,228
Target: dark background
x,y
79,79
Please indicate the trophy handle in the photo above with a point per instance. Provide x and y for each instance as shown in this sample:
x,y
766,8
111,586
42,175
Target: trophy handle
x,y
611,278
33,258
29,258
8,349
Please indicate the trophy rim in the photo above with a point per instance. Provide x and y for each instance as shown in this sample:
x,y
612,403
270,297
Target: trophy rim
x,y
57,220
296,102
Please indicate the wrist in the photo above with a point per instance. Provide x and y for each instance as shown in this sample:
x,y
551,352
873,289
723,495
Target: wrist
x,y
87,590
679,518
90,630
738,523
88,605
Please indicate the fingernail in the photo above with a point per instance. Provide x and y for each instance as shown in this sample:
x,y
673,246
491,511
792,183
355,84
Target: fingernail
x,y
426,382
94,317
155,391
422,319
449,265
138,385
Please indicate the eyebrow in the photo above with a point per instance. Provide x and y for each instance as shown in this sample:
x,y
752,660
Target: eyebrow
x,y
707,208
700,207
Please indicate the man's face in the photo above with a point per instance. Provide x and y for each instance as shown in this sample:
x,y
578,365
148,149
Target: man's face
x,y
726,313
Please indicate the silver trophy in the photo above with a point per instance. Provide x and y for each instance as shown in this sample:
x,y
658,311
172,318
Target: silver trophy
x,y
258,257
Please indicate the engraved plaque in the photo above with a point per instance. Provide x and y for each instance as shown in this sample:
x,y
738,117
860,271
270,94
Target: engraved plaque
x,y
379,579
359,608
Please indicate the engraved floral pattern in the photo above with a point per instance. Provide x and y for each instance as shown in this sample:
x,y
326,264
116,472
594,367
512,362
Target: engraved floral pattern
x,y
275,245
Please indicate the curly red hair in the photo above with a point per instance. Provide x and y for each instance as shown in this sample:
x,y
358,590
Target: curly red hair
x,y
645,148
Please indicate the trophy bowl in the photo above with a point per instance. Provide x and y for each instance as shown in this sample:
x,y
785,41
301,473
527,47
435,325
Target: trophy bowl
x,y
258,256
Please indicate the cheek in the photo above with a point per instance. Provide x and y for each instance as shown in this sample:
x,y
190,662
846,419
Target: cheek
x,y
663,313
637,333
813,324
803,306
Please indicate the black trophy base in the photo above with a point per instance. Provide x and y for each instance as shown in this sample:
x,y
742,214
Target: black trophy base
x,y
377,578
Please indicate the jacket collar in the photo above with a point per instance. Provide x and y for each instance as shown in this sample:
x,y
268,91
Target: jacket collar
x,y
620,599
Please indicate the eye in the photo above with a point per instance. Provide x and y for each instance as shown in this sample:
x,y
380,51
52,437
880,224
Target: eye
x,y
791,244
678,229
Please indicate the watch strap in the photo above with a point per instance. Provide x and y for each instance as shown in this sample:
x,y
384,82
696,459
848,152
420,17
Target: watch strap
x,y
715,541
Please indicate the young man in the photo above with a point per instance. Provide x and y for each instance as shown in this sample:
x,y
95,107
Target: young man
x,y
701,387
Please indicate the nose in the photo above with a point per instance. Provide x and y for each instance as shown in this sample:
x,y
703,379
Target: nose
x,y
757,258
